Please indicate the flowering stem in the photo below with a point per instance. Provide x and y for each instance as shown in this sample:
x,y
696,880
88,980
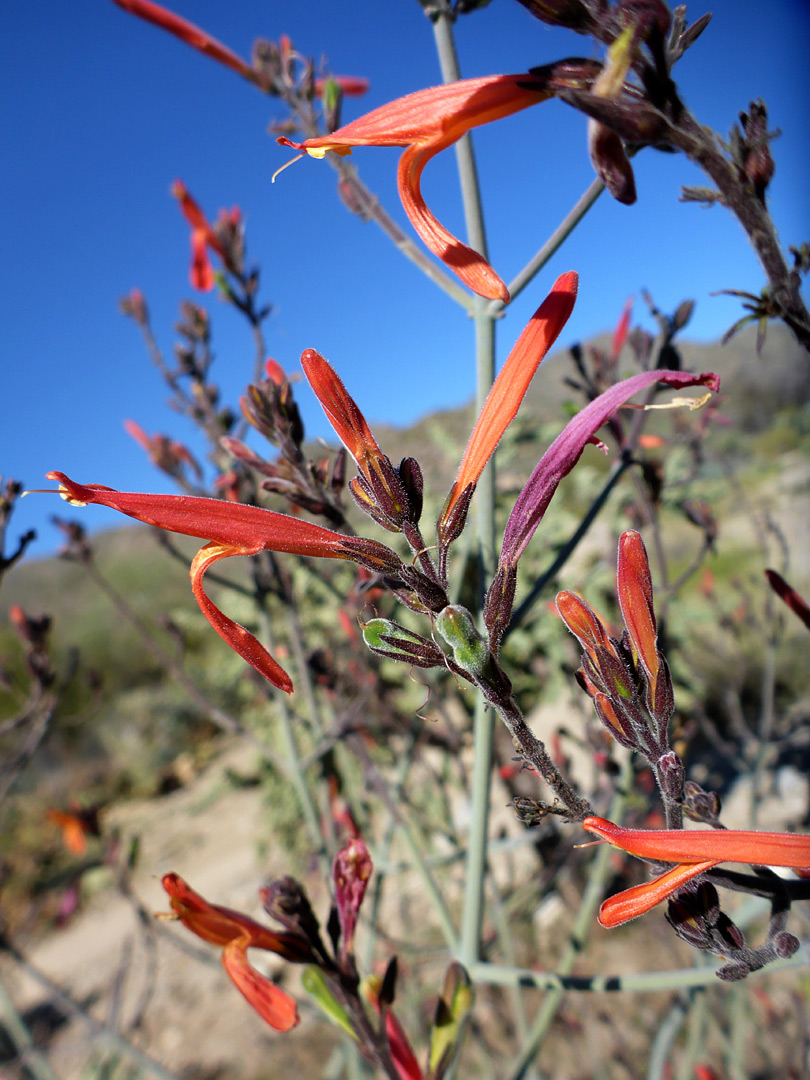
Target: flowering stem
x,y
293,766
598,873
645,982
551,246
484,721
701,146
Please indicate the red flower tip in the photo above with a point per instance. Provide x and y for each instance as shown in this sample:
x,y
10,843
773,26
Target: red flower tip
x,y
509,389
203,237
274,372
584,624
192,35
341,410
635,595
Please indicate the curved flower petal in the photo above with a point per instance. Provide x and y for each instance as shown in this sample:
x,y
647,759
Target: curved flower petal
x,y
631,903
427,122
240,640
467,264
275,1007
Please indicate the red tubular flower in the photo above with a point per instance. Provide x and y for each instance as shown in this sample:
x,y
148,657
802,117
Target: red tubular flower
x,y
76,825
237,933
427,122
192,35
696,851
203,237
232,529
167,454
509,389
585,624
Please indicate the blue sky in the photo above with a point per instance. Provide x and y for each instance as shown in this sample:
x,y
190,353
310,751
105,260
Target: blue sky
x,y
100,112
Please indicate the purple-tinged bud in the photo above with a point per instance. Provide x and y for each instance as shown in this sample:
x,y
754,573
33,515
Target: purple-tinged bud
x,y
616,722
451,525
498,604
410,474
373,555
785,945
663,705
669,773
572,14
350,870
700,805
611,163
757,162
730,933
687,924
337,477
286,901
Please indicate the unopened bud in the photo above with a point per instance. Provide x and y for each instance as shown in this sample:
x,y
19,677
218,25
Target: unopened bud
x,y
470,650
611,163
785,945
388,638
669,773
757,161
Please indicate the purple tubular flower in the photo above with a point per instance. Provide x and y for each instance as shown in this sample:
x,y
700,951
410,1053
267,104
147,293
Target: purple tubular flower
x,y
566,450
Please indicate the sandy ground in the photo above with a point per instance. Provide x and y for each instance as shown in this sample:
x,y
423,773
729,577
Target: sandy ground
x,y
104,958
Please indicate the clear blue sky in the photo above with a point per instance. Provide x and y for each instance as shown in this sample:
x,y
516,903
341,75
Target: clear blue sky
x,y
100,112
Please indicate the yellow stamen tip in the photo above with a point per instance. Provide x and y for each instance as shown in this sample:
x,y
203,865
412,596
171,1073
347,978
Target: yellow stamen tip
x,y
286,165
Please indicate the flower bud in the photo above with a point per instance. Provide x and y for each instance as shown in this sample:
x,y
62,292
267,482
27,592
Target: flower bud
x,y
470,650
387,638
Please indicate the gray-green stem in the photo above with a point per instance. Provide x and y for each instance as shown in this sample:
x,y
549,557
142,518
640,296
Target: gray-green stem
x,y
484,722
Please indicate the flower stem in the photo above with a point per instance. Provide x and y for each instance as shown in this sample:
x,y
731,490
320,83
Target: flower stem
x,y
484,722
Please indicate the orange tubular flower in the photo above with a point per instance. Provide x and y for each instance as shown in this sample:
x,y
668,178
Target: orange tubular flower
x,y
341,410
231,529
426,122
237,933
696,851
635,593
192,35
509,389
